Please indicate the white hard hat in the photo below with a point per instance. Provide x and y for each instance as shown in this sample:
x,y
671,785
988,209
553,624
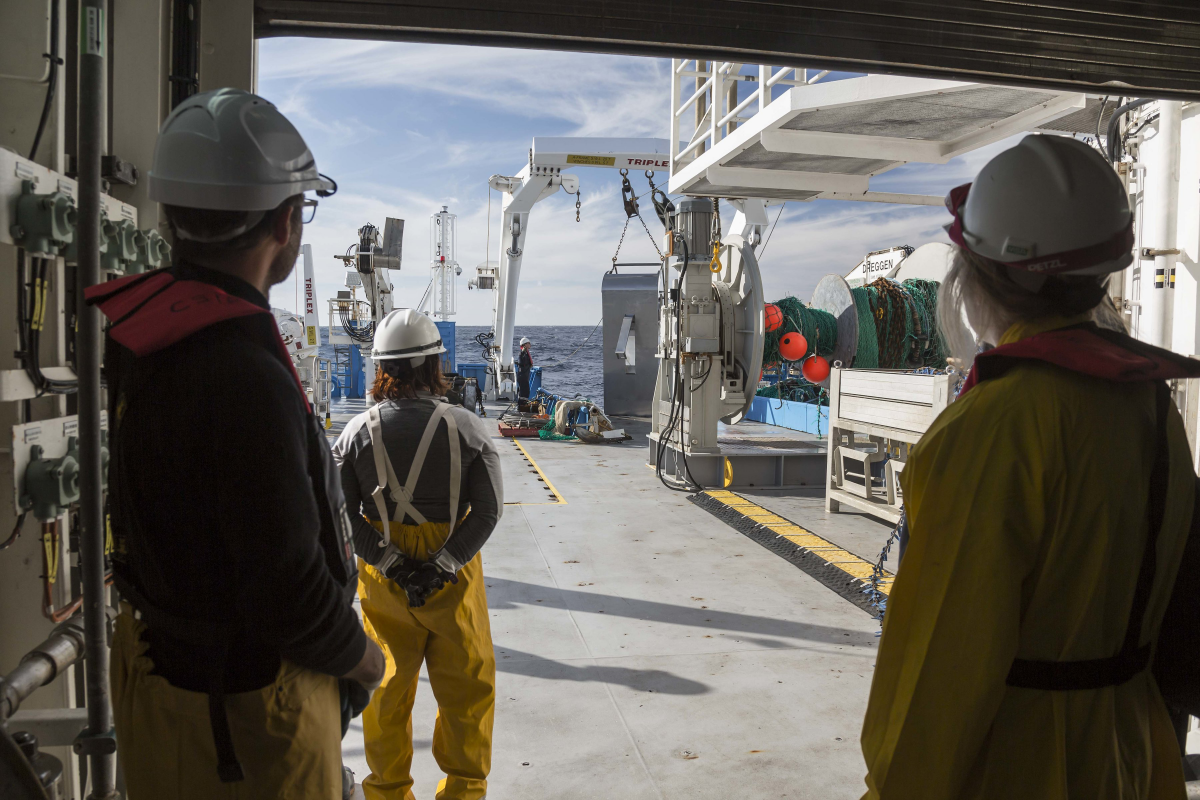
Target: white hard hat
x,y
406,333
1049,206
524,341
230,150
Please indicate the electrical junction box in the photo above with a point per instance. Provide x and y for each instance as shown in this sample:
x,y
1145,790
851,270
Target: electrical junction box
x,y
52,436
16,171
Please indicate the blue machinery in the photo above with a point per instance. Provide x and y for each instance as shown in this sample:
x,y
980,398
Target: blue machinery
x,y
346,373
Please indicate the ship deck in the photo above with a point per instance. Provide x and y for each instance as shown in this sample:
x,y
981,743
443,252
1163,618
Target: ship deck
x,y
647,649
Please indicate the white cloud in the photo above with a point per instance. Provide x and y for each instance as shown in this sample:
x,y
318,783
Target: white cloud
x,y
598,95
407,128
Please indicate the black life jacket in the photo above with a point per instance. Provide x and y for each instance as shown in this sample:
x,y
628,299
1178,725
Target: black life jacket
x,y
150,312
1112,356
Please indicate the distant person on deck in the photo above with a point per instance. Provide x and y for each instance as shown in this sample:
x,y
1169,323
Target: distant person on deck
x,y
524,369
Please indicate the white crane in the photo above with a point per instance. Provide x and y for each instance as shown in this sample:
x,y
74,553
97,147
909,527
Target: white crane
x,y
302,338
539,179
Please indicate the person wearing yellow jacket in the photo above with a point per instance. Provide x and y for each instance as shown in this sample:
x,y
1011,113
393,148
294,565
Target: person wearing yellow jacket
x,y
1027,505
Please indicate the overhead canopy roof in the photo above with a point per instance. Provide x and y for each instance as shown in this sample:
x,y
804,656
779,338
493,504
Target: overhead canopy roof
x,y
1141,48
826,140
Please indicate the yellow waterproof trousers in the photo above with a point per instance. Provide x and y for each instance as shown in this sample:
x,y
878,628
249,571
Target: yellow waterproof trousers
x,y
452,636
287,735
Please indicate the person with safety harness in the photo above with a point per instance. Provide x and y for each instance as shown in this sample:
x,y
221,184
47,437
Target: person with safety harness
x,y
422,481
524,370
1049,507
233,555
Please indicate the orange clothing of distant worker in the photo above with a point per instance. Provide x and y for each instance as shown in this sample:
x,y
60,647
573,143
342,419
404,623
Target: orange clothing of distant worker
x,y
1026,502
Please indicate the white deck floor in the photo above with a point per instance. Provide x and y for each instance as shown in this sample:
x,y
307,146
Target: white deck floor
x,y
647,650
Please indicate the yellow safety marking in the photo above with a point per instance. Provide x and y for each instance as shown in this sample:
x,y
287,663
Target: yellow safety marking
x,y
559,499
808,541
849,563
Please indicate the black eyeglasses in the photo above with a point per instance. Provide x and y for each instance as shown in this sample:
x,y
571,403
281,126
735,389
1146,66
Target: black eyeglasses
x,y
308,210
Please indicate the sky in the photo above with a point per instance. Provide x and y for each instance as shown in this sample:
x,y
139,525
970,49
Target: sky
x,y
407,128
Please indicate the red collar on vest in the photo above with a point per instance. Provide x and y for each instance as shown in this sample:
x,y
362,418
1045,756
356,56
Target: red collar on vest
x,y
1088,350
152,311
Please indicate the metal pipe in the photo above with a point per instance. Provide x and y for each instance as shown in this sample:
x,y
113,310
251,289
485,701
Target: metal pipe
x,y
42,664
1162,153
96,740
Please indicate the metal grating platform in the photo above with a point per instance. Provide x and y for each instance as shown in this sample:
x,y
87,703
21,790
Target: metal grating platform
x,y
827,140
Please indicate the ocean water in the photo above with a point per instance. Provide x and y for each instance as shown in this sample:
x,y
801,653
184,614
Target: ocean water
x,y
571,362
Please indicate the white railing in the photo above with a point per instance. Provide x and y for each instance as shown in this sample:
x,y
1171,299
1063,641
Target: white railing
x,y
713,99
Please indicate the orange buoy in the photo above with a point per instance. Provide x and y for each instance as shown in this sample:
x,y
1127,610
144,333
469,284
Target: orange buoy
x,y
793,346
774,317
815,369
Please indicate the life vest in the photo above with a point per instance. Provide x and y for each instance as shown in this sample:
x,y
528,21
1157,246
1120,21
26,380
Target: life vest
x,y
148,313
1090,350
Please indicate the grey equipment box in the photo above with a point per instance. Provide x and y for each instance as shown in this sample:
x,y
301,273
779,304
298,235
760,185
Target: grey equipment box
x,y
631,306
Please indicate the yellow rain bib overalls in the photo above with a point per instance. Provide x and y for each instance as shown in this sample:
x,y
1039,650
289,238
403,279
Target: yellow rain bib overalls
x,y
450,634
286,734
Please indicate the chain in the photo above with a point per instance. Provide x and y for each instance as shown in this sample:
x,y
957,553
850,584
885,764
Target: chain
x,y
877,599
619,243
578,193
653,241
631,211
715,237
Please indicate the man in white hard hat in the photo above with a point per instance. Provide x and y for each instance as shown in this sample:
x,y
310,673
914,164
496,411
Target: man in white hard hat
x,y
524,369
422,590
233,555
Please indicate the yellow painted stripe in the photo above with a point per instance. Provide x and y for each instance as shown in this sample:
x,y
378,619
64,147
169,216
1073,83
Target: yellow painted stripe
x,y
853,565
560,500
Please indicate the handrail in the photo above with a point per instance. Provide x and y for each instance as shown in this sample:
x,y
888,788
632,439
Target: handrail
x,y
710,127
693,146
732,115
778,76
704,87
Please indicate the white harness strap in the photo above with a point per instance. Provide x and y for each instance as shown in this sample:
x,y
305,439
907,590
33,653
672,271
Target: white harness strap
x,y
386,478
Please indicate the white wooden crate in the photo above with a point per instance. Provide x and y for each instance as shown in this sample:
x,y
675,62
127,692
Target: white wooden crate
x,y
889,406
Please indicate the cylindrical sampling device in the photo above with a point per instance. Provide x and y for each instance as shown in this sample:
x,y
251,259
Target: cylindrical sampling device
x,y
693,222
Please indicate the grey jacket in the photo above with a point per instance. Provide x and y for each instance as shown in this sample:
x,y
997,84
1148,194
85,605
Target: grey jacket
x,y
482,489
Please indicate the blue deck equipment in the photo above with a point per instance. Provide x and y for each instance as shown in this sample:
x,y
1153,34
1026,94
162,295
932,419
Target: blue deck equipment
x,y
807,417
346,373
446,329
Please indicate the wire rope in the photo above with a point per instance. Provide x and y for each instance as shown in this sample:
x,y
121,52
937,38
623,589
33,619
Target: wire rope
x,y
771,233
